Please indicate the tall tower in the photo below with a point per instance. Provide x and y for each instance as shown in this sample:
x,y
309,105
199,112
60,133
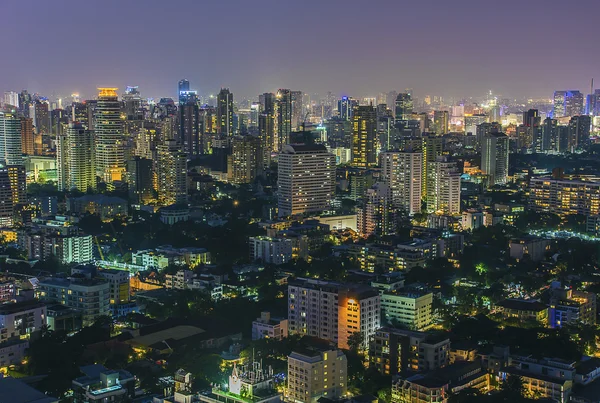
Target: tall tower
x,y
579,132
364,137
225,112
27,136
432,148
182,88
171,172
376,215
440,122
189,125
75,159
10,139
404,106
443,192
140,180
110,141
246,159
283,113
297,109
494,158
401,171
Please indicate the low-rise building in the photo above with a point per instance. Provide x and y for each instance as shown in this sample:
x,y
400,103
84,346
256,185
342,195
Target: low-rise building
x,y
532,246
270,250
12,352
119,285
21,319
89,296
571,307
99,384
7,291
409,308
315,373
267,327
393,351
523,310
106,207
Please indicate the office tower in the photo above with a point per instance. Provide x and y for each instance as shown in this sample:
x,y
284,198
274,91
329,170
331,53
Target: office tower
x,y
140,180
529,135
440,122
75,159
549,135
283,121
171,174
11,98
579,132
59,122
328,370
364,137
485,129
346,107
189,125
267,102
391,100
376,214
432,148
402,172
132,104
386,132
225,112
297,109
443,192
254,113
110,141
27,136
11,152
471,123
42,117
182,88
245,161
563,139
6,199
25,101
595,105
266,132
494,158
306,179
403,106
567,104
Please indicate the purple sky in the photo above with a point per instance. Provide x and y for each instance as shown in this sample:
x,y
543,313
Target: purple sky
x,y
451,48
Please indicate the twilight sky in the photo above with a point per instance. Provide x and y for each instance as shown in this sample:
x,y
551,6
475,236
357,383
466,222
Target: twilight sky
x,y
360,48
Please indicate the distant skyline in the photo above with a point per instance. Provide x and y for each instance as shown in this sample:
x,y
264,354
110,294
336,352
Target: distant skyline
x,y
359,48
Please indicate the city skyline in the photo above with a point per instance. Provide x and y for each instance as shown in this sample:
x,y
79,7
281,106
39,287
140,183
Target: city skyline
x,y
438,49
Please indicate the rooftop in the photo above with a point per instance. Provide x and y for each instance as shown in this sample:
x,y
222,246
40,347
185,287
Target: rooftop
x,y
14,307
522,305
15,391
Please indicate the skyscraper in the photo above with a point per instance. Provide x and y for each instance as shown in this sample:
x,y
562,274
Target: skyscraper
x,y
246,159
189,125
139,180
297,109
11,98
6,199
11,152
306,179
27,136
364,137
494,158
443,192
42,117
440,122
550,135
401,171
346,107
171,174
75,159
432,148
266,132
403,106
567,103
110,141
530,134
182,88
579,132
376,214
225,112
283,121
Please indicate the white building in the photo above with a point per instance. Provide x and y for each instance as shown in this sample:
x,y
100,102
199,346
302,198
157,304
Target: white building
x,y
21,319
402,171
270,250
306,179
267,327
494,158
411,309
443,187
316,373
77,249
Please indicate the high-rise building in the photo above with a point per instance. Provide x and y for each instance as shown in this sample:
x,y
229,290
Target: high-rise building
x,y
25,101
346,107
27,136
315,374
18,183
110,141
376,214
75,159
133,108
268,140
140,180
245,161
432,148
306,179
484,129
11,98
567,104
443,192
10,139
403,106
171,174
579,132
283,113
494,158
402,172
225,112
189,125
549,135
564,196
6,199
42,117
182,88
595,103
297,109
441,122
364,137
